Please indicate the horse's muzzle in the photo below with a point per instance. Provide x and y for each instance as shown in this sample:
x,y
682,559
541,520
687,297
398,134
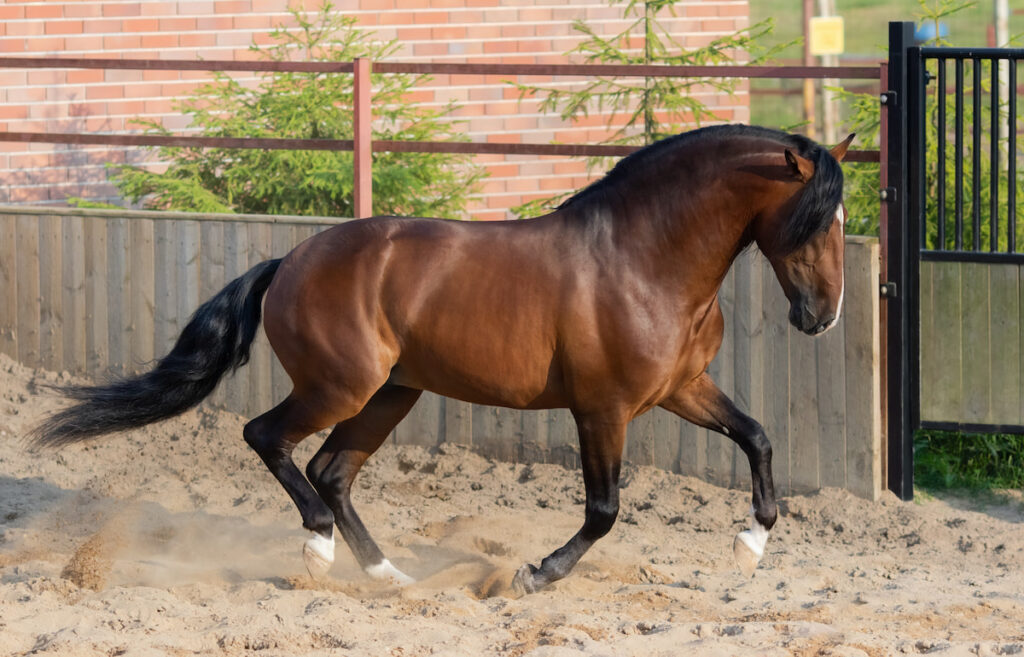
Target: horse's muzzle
x,y
809,323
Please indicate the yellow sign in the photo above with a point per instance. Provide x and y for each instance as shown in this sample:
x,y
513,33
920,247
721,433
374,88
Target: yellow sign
x,y
826,37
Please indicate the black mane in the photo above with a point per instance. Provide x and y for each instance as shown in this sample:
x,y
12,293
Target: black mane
x,y
817,204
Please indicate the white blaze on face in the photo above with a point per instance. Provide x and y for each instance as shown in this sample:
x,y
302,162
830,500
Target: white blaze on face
x,y
841,218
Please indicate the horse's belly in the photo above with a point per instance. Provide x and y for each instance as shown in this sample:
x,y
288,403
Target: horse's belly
x,y
495,379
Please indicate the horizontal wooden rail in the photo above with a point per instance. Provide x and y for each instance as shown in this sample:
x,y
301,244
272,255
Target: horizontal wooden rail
x,y
176,65
474,148
362,111
442,68
168,215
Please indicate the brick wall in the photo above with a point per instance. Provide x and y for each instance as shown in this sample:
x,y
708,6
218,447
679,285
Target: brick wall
x,y
524,31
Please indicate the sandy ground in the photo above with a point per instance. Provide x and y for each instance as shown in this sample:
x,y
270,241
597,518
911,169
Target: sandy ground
x,y
174,540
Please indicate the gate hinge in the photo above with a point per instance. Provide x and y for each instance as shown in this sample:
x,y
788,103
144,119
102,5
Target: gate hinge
x,y
887,194
887,290
887,98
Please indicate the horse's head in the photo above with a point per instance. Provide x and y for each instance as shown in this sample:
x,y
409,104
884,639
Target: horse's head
x,y
806,252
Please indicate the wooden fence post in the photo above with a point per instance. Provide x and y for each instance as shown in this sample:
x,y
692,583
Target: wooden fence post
x,y
362,145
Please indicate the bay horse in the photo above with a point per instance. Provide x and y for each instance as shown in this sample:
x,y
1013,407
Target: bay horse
x,y
607,306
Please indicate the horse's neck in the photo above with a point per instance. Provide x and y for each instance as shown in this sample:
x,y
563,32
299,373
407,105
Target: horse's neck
x,y
688,227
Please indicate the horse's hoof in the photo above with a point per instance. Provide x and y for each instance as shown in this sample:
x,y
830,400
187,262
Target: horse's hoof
x,y
746,558
524,583
318,555
384,571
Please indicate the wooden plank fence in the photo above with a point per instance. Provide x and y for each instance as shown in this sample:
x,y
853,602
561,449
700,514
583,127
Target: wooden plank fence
x,y
972,337
100,292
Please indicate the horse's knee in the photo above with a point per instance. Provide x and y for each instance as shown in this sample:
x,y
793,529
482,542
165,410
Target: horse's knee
x,y
315,469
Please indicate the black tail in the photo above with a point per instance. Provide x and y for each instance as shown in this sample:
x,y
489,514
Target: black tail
x,y
215,341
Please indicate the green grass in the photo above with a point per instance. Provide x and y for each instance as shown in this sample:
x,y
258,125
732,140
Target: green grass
x,y
866,36
955,461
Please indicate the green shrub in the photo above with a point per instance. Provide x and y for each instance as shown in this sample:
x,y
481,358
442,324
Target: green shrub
x,y
306,106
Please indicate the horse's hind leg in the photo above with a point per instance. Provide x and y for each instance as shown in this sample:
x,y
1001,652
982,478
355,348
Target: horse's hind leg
x,y
335,466
702,403
601,442
273,436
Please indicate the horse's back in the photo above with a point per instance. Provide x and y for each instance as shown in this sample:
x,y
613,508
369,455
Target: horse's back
x,y
469,310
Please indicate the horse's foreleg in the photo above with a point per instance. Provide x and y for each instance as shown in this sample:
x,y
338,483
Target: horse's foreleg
x,y
601,442
702,403
336,465
273,436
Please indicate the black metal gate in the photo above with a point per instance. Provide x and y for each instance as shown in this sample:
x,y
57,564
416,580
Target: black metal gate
x,y
953,245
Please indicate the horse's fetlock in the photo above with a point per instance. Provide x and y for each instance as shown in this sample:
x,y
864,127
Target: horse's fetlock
x,y
320,521
767,515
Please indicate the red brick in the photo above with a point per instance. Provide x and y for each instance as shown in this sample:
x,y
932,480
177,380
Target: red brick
x,y
177,24
233,7
269,6
253,23
141,25
82,9
26,95
158,41
25,28
96,92
142,90
535,15
29,194
8,112
44,11
80,109
85,43
196,8
13,77
53,44
122,9
103,25
127,107
160,106
413,33
11,12
398,18
154,8
197,40
734,10
448,32
428,49
122,42
63,27
430,17
503,138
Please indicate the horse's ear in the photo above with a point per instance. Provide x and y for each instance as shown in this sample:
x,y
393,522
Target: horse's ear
x,y
839,150
801,168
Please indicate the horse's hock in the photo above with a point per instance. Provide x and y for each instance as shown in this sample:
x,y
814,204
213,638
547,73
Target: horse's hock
x,y
97,291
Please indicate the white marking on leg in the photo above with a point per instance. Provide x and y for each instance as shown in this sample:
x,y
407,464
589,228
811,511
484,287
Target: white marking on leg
x,y
321,546
756,537
386,571
318,554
